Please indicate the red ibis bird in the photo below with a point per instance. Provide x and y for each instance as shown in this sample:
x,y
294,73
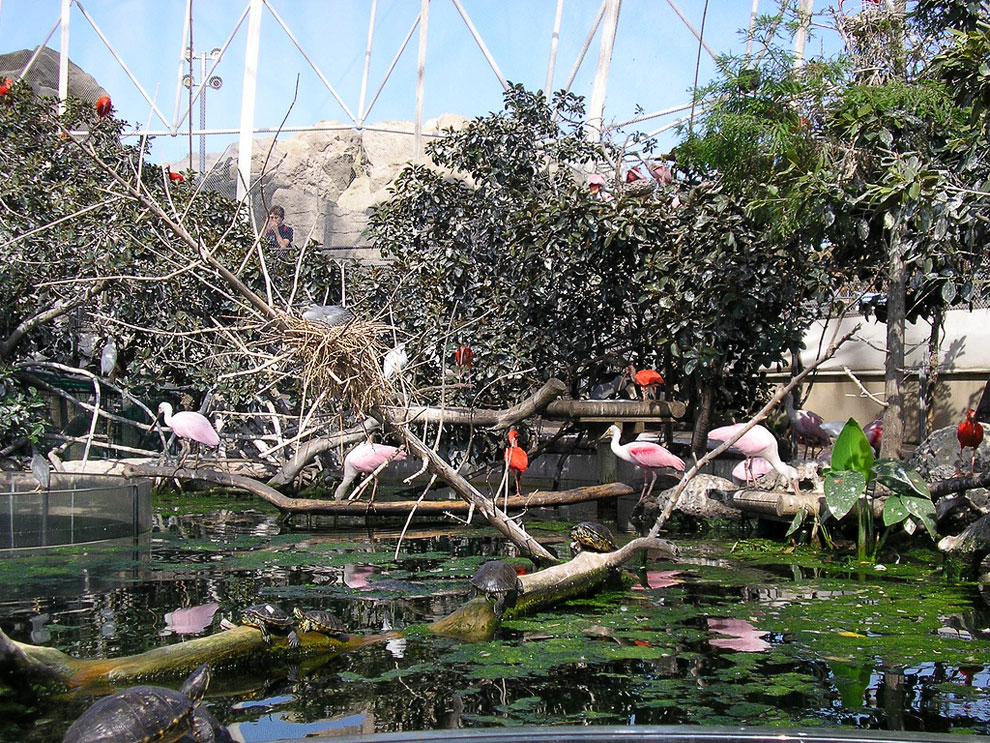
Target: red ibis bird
x,y
874,433
366,458
516,459
646,455
103,106
757,442
189,426
5,87
806,426
464,358
970,433
646,379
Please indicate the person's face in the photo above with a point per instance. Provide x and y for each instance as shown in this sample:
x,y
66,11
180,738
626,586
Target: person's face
x,y
274,219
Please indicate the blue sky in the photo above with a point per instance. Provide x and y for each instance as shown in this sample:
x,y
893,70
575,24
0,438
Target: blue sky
x,y
652,67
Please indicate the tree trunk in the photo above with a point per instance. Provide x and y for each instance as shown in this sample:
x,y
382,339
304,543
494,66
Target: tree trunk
x,y
893,417
703,419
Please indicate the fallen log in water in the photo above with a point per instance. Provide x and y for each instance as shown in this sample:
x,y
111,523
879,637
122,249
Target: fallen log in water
x,y
33,666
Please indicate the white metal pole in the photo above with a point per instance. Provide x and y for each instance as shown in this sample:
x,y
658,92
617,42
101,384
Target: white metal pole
x,y
63,58
248,96
584,48
481,44
596,109
183,49
752,29
554,43
805,10
367,61
424,22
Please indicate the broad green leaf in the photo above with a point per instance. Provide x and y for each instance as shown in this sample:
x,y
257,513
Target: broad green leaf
x,y
842,490
852,450
894,510
796,522
896,476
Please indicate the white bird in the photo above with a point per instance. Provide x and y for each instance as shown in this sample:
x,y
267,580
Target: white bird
x,y
41,471
395,361
108,359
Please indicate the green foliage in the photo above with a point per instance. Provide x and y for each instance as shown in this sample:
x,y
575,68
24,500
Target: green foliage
x,y
850,481
22,410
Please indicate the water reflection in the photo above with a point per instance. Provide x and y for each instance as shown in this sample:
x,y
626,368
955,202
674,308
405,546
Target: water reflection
x,y
702,642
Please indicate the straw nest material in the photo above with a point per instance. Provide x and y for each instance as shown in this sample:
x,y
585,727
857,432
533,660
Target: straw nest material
x,y
343,361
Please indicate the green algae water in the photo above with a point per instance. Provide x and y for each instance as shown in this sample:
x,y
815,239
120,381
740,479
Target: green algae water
x,y
739,632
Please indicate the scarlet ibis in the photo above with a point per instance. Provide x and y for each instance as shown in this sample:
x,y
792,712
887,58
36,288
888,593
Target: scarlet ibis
x,y
516,459
970,433
464,358
366,458
757,442
5,86
188,425
807,426
646,379
103,106
646,455
175,177
874,433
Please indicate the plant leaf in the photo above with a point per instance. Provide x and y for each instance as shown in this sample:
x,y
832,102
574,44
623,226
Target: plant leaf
x,y
852,450
900,479
842,490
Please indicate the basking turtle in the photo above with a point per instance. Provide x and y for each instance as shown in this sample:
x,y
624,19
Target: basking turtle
x,y
590,536
320,621
269,618
498,580
149,714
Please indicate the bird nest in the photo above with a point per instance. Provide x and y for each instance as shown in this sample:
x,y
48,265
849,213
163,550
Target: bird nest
x,y
341,361
874,38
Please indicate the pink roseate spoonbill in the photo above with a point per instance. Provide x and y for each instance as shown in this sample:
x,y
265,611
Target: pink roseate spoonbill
x,y
366,458
807,426
189,426
516,459
646,455
970,433
751,470
757,442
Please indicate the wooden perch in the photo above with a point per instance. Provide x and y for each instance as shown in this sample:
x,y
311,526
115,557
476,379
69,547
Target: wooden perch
x,y
23,665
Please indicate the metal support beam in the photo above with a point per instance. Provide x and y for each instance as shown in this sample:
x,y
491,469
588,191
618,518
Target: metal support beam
x,y
249,91
596,108
63,58
554,43
805,10
367,61
424,23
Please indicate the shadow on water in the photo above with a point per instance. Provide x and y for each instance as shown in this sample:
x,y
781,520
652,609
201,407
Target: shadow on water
x,y
755,636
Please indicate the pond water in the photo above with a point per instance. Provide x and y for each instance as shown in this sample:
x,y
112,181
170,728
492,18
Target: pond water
x,y
742,631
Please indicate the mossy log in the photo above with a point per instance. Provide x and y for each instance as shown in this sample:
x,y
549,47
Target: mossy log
x,y
475,621
26,666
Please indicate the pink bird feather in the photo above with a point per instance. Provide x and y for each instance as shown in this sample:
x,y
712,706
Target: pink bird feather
x,y
366,458
646,455
757,442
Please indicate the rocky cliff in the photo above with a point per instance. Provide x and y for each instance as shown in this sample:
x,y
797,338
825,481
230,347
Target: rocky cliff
x,y
326,180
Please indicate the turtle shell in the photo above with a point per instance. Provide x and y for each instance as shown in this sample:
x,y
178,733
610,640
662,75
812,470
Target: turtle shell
x,y
269,618
592,537
495,577
323,622
142,714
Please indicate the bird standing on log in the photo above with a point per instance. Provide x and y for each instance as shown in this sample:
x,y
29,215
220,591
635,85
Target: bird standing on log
x,y
516,459
970,433
366,458
646,455
757,442
464,358
188,425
